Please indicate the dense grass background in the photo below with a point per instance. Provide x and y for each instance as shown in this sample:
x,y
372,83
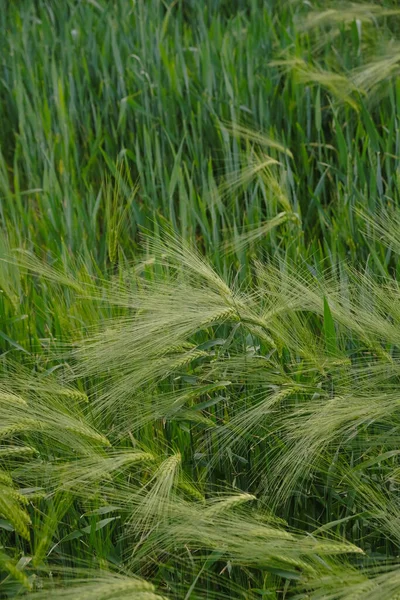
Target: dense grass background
x,y
199,307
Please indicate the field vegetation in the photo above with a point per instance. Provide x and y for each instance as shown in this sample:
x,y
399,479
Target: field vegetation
x,y
200,300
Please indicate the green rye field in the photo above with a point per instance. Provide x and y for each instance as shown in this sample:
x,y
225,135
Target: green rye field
x,y
199,300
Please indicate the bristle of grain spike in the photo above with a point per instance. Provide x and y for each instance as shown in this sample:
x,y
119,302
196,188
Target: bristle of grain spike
x,y
172,462
21,426
256,137
12,399
16,451
120,588
184,347
188,358
191,490
285,393
87,432
348,13
224,315
220,506
16,574
73,394
32,496
139,457
111,589
5,478
15,495
13,513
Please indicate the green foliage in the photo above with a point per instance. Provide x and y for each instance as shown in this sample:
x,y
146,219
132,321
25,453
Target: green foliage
x,y
199,300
